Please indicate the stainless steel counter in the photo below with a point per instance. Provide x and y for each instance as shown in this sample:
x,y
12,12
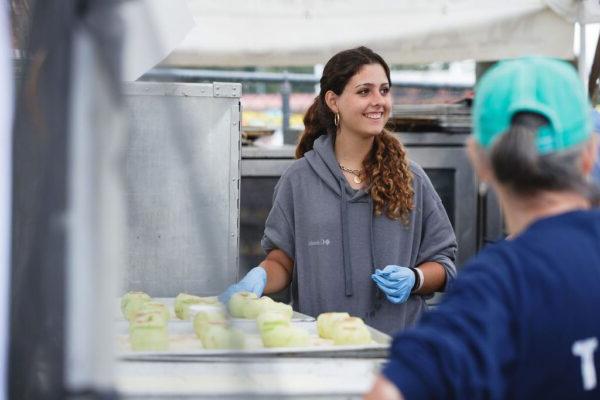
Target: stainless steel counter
x,y
248,378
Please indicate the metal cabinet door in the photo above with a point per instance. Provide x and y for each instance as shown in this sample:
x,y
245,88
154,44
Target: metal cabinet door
x,y
182,187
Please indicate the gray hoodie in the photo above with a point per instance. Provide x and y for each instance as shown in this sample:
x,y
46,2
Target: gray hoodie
x,y
329,230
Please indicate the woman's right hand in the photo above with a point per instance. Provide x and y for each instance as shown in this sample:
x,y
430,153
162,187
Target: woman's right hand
x,y
383,390
254,281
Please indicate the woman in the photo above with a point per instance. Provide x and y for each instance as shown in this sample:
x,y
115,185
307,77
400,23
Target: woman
x,y
352,219
522,321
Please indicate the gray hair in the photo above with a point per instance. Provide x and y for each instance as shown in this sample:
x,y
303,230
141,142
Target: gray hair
x,y
517,164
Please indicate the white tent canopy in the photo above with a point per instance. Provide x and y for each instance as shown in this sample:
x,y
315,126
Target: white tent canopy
x,y
308,32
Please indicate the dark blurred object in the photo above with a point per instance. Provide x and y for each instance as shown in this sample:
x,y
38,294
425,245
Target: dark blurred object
x,y
43,137
422,93
250,134
594,74
21,12
448,118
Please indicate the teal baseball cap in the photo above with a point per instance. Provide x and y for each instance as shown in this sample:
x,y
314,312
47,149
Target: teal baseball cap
x,y
546,86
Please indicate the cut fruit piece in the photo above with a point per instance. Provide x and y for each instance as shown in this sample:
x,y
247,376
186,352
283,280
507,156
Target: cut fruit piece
x,y
282,308
237,303
203,319
131,302
219,336
183,301
148,332
254,307
270,319
326,321
285,336
153,306
351,331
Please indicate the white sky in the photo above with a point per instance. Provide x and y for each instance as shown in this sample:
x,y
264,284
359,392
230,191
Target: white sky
x,y
591,37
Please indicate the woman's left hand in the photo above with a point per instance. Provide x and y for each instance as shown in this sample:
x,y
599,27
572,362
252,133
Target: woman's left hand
x,y
395,281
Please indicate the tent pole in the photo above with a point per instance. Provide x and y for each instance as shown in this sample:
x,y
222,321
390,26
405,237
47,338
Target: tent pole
x,y
581,60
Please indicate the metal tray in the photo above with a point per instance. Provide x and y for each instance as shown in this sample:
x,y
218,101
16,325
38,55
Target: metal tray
x,y
185,346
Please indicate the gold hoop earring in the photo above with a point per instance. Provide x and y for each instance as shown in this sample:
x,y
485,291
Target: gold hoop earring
x,y
336,119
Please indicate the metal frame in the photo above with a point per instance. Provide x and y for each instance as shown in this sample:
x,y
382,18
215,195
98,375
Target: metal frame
x,y
465,194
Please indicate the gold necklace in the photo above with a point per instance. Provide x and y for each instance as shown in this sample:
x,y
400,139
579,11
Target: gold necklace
x,y
356,172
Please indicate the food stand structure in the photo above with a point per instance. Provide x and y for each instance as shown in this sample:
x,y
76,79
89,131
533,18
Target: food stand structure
x,y
182,180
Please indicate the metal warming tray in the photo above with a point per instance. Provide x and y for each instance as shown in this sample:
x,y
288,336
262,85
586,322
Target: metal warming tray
x,y
185,346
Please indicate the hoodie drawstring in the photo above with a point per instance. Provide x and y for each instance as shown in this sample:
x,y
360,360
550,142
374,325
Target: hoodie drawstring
x,y
378,295
347,260
322,160
345,242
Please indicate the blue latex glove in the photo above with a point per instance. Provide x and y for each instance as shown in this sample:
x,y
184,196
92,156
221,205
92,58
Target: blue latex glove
x,y
254,281
395,281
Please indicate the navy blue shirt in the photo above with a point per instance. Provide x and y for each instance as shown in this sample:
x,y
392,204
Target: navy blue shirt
x,y
596,170
522,321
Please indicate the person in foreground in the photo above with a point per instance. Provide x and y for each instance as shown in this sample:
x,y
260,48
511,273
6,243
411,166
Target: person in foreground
x,y
522,319
596,124
355,226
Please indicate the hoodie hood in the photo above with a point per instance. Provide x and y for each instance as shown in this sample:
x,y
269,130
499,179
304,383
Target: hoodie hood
x,y
322,160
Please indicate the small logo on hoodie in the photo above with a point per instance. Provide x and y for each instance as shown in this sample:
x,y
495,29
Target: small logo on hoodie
x,y
321,242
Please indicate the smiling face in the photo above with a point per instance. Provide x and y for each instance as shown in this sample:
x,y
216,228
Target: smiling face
x,y
365,103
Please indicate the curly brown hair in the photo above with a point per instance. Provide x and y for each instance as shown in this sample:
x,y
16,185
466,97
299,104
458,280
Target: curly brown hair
x,y
386,165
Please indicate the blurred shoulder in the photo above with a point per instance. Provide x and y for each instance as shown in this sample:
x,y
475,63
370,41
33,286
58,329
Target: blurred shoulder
x,y
296,169
420,178
416,169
